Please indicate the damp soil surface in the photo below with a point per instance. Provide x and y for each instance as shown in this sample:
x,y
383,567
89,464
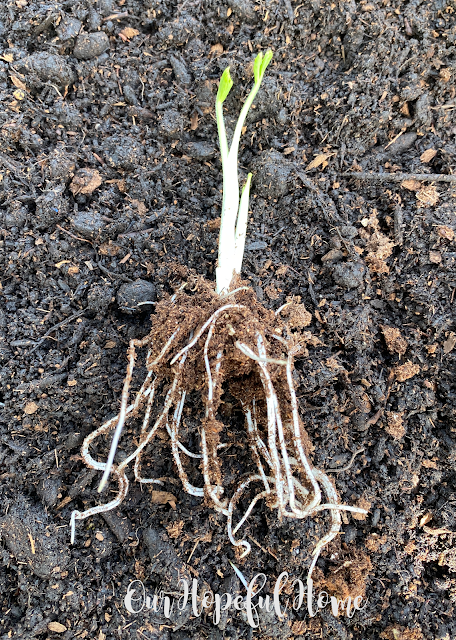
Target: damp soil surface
x,y
109,180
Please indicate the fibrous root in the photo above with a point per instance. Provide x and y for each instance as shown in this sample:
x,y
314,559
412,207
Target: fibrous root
x,y
237,346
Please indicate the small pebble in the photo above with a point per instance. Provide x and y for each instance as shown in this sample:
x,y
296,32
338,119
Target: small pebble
x,y
16,612
256,246
88,224
180,30
15,216
282,117
61,164
130,95
361,421
91,45
348,231
68,115
422,109
349,274
334,255
350,534
73,440
106,7
119,526
94,20
411,87
132,293
376,517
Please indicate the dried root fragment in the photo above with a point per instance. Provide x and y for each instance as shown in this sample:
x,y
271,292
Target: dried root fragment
x,y
209,344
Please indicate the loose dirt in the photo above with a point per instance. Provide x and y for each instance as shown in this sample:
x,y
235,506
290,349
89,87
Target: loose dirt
x,y
109,178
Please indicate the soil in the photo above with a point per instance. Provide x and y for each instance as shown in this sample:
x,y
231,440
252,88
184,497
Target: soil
x,y
109,178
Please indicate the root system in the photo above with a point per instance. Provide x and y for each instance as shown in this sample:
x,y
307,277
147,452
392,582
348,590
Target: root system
x,y
209,344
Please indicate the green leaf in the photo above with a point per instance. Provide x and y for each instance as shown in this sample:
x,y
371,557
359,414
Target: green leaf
x,y
257,68
260,65
266,60
225,86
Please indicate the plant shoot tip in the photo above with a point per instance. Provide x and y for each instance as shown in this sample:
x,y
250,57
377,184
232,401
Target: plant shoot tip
x,y
225,86
260,65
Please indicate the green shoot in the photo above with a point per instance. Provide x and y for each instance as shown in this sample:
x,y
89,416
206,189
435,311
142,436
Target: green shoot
x,y
224,88
233,227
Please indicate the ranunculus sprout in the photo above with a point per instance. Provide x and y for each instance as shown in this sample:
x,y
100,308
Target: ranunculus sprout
x,y
207,343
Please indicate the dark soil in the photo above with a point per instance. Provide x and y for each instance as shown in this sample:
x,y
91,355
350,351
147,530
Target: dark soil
x,y
110,177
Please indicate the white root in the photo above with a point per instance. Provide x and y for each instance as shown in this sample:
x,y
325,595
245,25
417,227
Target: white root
x,y
123,405
189,488
295,496
213,492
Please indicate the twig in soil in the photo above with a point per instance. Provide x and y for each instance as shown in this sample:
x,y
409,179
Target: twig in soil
x,y
72,234
193,550
395,138
57,326
378,414
398,224
49,84
347,466
117,276
117,16
134,234
399,177
311,290
262,548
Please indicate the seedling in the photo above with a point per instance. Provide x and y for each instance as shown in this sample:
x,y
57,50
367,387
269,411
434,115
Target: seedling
x,y
233,225
208,342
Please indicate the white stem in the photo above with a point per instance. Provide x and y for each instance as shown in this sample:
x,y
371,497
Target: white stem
x,y
241,226
221,131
